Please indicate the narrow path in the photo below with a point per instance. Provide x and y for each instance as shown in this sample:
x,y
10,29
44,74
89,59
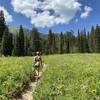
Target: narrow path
x,y
27,93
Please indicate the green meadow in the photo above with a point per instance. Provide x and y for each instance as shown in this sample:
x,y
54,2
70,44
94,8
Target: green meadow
x,y
67,77
15,73
70,77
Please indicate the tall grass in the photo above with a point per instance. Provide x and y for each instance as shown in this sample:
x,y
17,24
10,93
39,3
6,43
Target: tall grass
x,y
15,72
70,77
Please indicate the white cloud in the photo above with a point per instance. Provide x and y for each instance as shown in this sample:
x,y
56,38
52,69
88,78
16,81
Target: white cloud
x,y
39,12
8,17
86,12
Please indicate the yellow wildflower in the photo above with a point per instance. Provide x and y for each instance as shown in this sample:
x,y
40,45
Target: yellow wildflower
x,y
94,91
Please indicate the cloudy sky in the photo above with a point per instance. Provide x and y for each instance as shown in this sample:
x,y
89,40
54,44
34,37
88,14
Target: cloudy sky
x,y
58,15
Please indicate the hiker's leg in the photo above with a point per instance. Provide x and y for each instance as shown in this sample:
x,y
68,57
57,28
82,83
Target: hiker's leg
x,y
40,68
38,71
35,71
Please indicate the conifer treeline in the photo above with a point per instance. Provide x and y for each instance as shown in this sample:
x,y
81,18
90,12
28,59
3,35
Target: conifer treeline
x,y
53,43
21,45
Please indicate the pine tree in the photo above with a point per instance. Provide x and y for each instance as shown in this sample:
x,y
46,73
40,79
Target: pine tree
x,y
35,41
10,41
92,40
16,46
21,42
47,47
54,46
19,47
80,41
61,46
57,43
88,40
69,42
97,39
50,42
27,52
85,43
6,45
2,24
44,42
75,47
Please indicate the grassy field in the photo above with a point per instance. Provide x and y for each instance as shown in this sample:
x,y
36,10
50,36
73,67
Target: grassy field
x,y
14,74
70,77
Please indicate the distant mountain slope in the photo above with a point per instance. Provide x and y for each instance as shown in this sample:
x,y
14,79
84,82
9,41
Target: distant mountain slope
x,y
15,30
27,32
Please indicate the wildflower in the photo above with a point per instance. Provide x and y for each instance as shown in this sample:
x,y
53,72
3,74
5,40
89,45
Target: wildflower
x,y
94,92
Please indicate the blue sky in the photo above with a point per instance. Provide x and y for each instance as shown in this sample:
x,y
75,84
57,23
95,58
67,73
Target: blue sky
x,y
58,15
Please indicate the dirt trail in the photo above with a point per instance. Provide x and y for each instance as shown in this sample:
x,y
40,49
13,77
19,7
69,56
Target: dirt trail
x,y
27,93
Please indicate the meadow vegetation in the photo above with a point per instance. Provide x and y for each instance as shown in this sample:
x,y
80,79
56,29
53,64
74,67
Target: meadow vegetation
x,y
70,77
15,73
67,77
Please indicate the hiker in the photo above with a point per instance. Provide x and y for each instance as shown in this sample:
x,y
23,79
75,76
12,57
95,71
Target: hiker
x,y
37,63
